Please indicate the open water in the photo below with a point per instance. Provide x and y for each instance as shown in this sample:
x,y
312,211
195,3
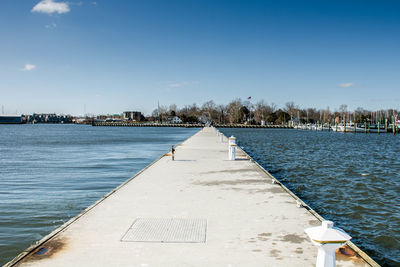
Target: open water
x,y
50,173
351,179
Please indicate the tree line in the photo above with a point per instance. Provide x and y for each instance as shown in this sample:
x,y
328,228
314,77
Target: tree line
x,y
239,111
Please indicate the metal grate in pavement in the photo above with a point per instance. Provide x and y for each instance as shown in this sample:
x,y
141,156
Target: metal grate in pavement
x,y
167,231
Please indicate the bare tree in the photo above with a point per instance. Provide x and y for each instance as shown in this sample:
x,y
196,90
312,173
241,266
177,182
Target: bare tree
x,y
209,109
233,110
262,111
222,113
291,108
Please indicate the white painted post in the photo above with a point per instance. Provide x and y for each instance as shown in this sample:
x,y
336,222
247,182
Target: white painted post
x,y
232,147
221,138
232,152
232,140
327,238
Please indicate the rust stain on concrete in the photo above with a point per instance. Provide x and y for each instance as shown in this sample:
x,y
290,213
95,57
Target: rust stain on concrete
x,y
347,253
47,250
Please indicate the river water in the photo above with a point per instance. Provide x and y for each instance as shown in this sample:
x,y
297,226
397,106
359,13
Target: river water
x,y
351,179
50,173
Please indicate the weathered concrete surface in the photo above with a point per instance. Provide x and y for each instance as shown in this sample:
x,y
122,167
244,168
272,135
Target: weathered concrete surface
x,y
250,222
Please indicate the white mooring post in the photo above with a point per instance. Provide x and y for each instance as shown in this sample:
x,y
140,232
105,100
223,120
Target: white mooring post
x,y
232,152
232,148
221,138
232,140
327,238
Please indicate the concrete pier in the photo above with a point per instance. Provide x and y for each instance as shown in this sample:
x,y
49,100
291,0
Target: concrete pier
x,y
199,210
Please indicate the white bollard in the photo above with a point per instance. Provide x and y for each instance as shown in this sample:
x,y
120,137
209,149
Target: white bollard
x,y
327,238
221,138
232,152
232,140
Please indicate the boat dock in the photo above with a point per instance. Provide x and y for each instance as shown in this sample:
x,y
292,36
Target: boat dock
x,y
199,210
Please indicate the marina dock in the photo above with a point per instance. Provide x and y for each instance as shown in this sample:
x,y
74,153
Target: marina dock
x,y
199,210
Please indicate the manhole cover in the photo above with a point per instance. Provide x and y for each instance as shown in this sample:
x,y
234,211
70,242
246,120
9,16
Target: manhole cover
x,y
167,231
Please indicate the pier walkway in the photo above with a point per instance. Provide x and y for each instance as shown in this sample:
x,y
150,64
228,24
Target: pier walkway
x,y
199,210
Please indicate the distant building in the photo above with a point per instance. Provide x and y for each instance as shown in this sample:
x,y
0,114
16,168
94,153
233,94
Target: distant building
x,y
176,119
101,117
10,119
48,118
132,116
117,116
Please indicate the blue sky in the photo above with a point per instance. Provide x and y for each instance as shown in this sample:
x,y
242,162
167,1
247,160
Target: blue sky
x,y
112,56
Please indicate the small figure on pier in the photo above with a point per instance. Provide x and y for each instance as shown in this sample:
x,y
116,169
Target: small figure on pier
x,y
173,153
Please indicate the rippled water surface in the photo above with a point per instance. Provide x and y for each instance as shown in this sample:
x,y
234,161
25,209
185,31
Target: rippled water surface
x,y
49,173
351,179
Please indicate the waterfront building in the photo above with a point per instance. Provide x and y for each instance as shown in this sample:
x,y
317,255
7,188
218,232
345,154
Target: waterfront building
x,y
176,119
101,117
10,119
47,118
132,116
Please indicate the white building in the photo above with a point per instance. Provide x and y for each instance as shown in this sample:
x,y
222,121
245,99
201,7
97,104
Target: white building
x,y
176,119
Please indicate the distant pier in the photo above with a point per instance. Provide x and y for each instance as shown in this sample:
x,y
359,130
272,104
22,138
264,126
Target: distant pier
x,y
199,210
195,125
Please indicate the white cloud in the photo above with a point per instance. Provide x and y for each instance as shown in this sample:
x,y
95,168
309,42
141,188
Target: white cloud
x,y
50,7
29,67
345,85
175,85
181,84
50,26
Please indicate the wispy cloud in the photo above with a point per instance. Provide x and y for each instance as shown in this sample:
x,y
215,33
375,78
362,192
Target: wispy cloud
x,y
29,67
170,86
175,85
50,7
345,85
50,26
181,84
